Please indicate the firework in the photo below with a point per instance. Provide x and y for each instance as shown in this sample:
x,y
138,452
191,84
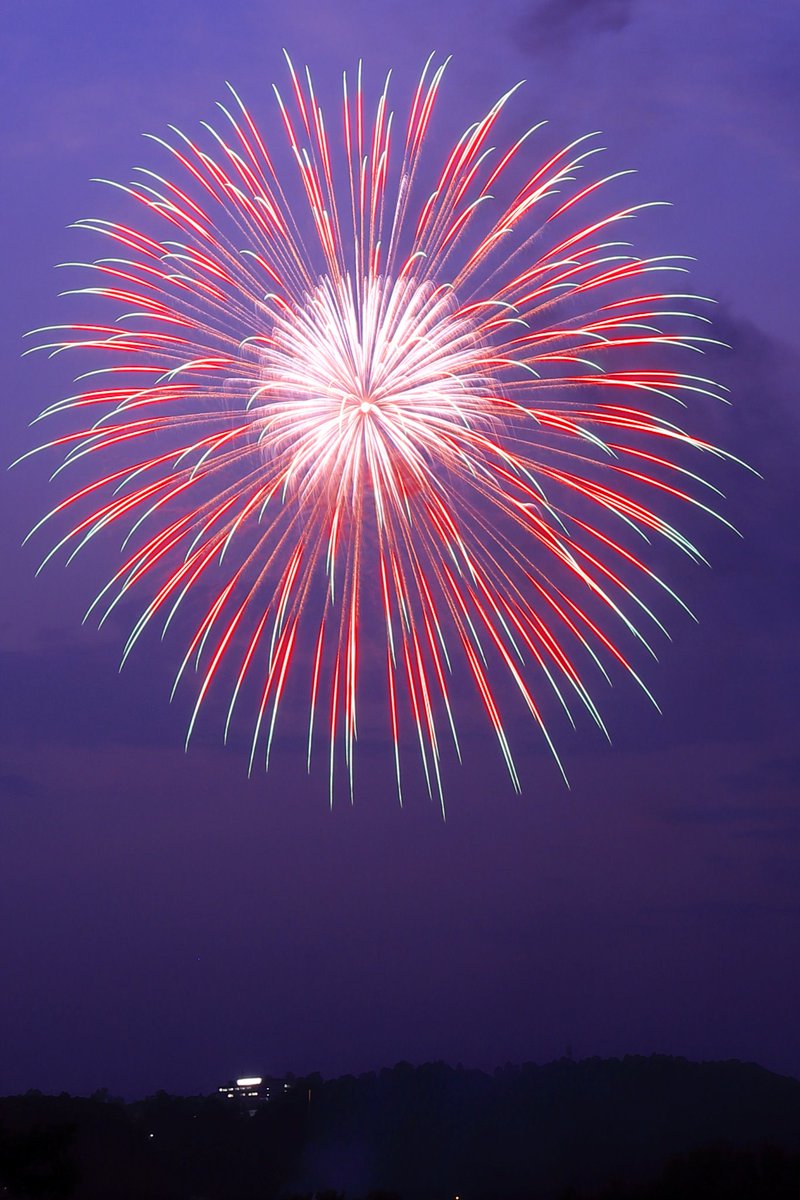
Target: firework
x,y
351,408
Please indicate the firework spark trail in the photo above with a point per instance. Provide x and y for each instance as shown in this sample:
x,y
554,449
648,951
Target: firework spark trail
x,y
425,400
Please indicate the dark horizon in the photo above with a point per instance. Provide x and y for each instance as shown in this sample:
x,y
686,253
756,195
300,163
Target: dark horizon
x,y
165,921
290,1078
644,1128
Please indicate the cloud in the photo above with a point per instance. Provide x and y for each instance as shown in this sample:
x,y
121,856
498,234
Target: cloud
x,y
556,24
71,692
761,425
779,774
14,784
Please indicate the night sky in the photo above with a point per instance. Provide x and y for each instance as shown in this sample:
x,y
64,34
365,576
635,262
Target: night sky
x,y
164,922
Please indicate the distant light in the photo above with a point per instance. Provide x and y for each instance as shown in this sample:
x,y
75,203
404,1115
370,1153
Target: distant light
x,y
249,1081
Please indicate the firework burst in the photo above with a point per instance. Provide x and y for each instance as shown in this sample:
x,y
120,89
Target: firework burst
x,y
436,412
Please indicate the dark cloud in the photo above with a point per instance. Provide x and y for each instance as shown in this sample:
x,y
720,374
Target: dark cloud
x,y
762,427
781,774
72,693
728,682
555,24
761,820
13,784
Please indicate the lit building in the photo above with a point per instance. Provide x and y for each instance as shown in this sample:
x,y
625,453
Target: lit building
x,y
251,1092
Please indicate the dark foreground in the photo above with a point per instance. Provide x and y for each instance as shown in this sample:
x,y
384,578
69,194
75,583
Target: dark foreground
x,y
636,1128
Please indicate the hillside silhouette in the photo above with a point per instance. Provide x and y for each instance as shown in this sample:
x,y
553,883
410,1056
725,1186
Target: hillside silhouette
x,y
634,1128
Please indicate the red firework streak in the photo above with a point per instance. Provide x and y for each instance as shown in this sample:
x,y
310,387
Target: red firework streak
x,y
367,402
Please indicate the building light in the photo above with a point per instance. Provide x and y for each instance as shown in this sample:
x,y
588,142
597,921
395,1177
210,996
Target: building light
x,y
249,1081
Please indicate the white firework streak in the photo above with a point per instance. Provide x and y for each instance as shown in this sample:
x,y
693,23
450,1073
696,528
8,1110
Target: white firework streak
x,y
431,401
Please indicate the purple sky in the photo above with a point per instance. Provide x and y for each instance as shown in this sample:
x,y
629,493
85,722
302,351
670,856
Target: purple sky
x,y
166,923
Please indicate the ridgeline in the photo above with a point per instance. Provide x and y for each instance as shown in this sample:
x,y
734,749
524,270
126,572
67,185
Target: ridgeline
x,y
640,1128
